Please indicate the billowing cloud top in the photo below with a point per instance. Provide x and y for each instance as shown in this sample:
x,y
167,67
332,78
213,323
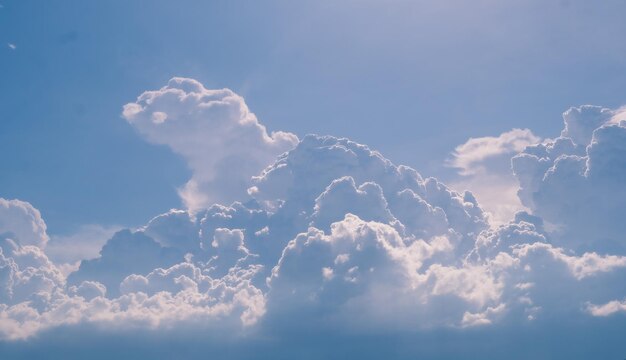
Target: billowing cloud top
x,y
20,221
576,181
328,236
221,140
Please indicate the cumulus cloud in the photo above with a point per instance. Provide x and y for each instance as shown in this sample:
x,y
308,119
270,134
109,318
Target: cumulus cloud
x,y
575,182
484,166
84,243
332,238
580,122
471,156
222,141
109,291
21,222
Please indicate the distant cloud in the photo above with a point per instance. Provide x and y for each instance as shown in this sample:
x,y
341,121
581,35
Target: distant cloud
x,y
471,156
12,46
485,167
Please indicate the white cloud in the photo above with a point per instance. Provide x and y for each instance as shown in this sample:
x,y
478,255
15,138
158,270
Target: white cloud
x,y
580,122
21,222
471,156
84,243
12,46
333,238
484,166
213,130
576,184
607,309
588,264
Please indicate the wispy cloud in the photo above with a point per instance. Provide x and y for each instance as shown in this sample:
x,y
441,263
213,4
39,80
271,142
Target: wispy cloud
x,y
12,46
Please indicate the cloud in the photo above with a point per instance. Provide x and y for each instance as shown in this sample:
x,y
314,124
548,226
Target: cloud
x,y
124,254
35,295
607,309
331,241
84,243
484,166
580,122
12,46
27,274
299,177
471,156
576,184
619,115
21,222
220,139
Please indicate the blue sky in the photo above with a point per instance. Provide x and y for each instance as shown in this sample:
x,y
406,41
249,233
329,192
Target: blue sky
x,y
159,184
411,79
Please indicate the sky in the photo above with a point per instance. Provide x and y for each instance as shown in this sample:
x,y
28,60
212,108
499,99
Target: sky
x,y
294,178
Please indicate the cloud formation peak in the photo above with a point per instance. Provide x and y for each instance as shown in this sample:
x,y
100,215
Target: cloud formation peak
x,y
213,130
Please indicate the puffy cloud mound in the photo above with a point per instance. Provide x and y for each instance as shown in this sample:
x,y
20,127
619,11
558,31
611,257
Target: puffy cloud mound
x,y
302,179
21,222
576,181
221,140
333,238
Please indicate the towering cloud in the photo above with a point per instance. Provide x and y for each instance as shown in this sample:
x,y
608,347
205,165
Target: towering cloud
x,y
221,140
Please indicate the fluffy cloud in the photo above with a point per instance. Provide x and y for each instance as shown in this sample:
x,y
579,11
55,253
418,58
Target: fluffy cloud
x,y
484,166
332,239
124,254
21,222
26,273
580,122
471,156
221,140
576,184
365,275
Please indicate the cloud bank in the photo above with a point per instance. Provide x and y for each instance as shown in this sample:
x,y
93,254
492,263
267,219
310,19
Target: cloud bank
x,y
329,239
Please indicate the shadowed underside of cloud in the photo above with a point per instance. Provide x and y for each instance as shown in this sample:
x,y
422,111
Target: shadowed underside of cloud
x,y
331,246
